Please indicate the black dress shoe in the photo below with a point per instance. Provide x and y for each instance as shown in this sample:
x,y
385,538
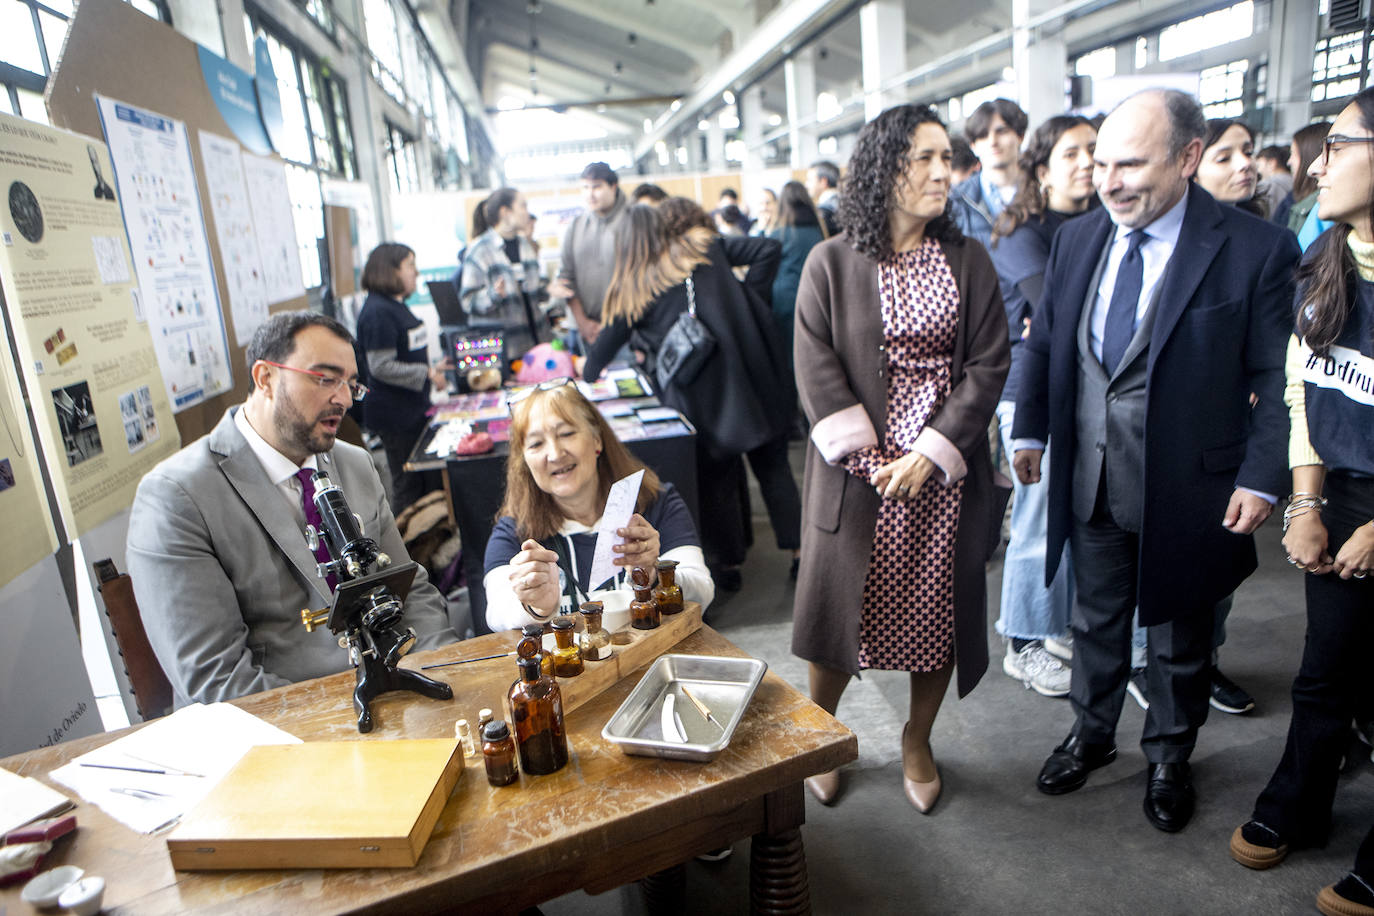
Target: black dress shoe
x,y
1068,767
1169,796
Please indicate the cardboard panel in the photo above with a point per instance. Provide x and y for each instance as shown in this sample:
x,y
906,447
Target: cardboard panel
x,y
159,69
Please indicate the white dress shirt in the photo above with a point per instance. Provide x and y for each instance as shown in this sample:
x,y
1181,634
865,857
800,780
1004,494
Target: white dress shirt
x,y
280,469
1155,251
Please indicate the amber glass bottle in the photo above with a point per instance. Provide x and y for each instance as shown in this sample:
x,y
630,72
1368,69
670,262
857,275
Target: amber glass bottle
x,y
531,645
498,752
643,610
668,594
536,708
567,658
595,641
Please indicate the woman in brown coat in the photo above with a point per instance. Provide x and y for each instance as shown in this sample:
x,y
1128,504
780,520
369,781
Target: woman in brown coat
x,y
900,325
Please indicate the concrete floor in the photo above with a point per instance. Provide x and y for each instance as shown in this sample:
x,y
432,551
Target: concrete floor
x,y
994,844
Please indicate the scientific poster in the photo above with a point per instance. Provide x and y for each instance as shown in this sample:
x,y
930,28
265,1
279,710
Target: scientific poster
x,y
275,227
155,180
72,304
22,495
238,244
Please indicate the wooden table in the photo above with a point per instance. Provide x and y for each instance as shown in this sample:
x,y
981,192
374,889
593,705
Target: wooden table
x,y
604,820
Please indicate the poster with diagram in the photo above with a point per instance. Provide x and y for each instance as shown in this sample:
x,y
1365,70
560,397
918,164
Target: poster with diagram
x,y
72,303
238,244
274,224
157,185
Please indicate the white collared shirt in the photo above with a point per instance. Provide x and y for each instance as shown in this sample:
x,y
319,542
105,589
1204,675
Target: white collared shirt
x,y
280,469
1155,251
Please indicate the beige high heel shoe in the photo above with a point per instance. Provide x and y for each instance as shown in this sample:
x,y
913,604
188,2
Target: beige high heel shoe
x,y
922,795
825,786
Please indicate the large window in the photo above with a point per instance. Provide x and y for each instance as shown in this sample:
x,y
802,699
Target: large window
x,y
318,139
1207,31
401,160
31,35
384,42
1221,89
1338,66
405,65
1099,64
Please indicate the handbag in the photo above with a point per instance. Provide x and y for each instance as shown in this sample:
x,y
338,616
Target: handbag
x,y
686,347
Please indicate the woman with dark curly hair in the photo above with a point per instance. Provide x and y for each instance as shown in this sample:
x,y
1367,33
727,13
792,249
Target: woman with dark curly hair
x,y
901,330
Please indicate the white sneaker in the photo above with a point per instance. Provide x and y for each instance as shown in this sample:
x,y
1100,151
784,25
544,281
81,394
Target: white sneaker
x,y
1061,648
1037,669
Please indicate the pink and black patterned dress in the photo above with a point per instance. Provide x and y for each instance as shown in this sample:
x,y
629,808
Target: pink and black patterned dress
x,y
908,602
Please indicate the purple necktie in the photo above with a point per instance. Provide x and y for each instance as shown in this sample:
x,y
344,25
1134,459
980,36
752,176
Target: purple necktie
x,y
312,518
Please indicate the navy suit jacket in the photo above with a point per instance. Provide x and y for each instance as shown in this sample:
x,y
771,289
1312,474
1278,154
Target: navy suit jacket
x,y
1223,322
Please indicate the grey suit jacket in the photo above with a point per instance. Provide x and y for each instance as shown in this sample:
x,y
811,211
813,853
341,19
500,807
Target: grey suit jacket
x,y
221,570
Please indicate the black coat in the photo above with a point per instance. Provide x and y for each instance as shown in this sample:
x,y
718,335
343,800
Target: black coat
x,y
742,398
1224,319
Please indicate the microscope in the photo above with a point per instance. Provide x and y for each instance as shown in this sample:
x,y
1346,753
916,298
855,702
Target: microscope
x,y
367,604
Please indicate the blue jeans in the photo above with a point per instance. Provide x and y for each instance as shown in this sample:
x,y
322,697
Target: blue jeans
x,y
1218,633
1029,610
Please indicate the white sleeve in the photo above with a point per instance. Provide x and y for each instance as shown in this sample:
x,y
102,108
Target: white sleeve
x,y
692,575
504,610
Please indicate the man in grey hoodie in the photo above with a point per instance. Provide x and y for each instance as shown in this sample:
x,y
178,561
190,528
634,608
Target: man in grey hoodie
x,y
589,250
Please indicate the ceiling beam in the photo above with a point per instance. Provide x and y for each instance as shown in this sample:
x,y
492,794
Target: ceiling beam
x,y
622,25
776,36
642,77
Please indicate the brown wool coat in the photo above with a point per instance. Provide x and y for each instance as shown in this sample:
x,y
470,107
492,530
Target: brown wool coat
x,y
840,362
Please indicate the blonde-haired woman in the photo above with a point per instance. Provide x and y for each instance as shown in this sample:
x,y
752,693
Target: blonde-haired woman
x,y
740,400
563,459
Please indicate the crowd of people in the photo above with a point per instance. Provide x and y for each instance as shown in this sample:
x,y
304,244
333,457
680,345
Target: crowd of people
x,y
1116,310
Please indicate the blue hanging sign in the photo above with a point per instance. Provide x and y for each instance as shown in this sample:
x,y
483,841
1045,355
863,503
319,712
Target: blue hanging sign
x,y
269,96
232,90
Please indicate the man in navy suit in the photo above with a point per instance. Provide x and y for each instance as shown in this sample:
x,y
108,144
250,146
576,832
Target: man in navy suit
x,y
1163,312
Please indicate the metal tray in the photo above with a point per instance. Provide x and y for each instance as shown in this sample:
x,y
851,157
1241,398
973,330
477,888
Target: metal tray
x,y
724,685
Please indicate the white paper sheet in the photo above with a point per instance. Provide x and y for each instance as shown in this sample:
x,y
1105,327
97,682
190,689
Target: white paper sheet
x,y
274,225
23,799
202,740
157,185
620,505
238,244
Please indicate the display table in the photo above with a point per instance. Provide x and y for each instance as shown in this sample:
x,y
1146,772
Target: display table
x,y
604,820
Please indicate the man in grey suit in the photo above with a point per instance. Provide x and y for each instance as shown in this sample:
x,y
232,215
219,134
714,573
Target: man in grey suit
x,y
216,544
1164,313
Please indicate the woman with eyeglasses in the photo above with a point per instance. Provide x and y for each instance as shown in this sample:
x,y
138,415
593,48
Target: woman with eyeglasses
x,y
393,358
563,459
1329,521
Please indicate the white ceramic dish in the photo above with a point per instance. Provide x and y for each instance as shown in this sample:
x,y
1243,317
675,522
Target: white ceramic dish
x,y
84,897
45,887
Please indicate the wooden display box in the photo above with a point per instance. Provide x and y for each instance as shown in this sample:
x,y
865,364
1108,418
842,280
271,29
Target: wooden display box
x,y
333,804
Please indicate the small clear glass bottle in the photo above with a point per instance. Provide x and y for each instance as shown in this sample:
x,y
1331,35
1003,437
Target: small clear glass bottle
x,y
464,735
668,594
643,610
595,641
567,658
536,708
498,752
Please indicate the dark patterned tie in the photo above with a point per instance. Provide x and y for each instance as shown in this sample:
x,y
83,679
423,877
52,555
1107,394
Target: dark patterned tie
x,y
312,518
1130,277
